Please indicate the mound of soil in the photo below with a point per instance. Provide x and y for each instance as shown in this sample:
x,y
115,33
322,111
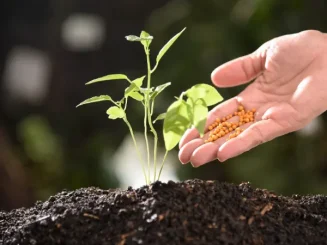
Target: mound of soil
x,y
191,212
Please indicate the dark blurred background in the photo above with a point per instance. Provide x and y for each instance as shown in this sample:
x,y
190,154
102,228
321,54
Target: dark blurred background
x,y
49,49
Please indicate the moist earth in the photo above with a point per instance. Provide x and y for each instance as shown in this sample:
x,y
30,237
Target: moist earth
x,y
190,212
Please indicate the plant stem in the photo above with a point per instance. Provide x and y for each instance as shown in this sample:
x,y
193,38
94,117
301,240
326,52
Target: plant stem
x,y
137,150
146,137
146,105
149,116
162,164
155,144
126,100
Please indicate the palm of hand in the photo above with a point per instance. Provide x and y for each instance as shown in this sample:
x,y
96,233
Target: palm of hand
x,y
288,92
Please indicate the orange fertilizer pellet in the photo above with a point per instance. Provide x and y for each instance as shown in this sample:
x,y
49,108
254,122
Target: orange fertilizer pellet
x,y
221,127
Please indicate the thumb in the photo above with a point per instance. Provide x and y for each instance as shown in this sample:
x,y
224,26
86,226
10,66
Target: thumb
x,y
240,70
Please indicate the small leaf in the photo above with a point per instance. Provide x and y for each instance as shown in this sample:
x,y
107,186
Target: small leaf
x,y
166,47
136,96
175,123
138,81
146,39
130,89
115,112
161,116
146,90
200,113
109,77
95,99
135,86
206,92
159,89
133,38
194,93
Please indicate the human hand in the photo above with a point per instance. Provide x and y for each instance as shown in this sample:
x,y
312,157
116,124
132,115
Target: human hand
x,y
289,90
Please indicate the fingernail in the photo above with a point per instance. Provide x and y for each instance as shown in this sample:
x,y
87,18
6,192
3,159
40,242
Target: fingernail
x,y
183,162
221,159
194,165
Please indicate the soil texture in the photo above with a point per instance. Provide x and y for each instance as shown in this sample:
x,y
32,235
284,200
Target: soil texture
x,y
193,212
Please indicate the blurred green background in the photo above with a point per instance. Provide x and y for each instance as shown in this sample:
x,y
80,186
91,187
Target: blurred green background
x,y
49,49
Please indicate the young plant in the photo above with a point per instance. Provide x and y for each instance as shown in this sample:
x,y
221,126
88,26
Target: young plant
x,y
181,114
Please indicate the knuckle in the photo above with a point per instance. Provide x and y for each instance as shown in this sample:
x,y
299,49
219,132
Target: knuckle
x,y
310,33
262,81
247,69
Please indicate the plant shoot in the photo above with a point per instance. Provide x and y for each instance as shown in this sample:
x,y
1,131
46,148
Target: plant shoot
x,y
189,110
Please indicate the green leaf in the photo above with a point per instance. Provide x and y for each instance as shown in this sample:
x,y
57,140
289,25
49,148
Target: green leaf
x,y
95,99
138,81
175,124
159,89
130,89
206,92
135,86
146,39
200,113
115,112
161,116
166,47
146,90
133,38
109,77
191,111
136,96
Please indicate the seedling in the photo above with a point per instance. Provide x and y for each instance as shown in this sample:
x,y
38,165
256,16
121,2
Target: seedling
x,y
181,114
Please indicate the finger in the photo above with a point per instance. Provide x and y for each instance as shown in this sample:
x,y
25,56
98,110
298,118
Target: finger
x,y
253,136
226,108
240,70
188,136
208,152
187,150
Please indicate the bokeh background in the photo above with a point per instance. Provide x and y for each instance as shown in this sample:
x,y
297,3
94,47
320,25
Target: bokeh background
x,y
49,49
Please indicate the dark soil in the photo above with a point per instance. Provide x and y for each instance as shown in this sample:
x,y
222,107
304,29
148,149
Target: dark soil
x,y
191,212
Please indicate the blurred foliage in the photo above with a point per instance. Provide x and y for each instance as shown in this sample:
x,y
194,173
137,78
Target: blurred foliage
x,y
43,148
62,147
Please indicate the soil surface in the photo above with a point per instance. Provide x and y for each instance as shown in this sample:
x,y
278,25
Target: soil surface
x,y
191,212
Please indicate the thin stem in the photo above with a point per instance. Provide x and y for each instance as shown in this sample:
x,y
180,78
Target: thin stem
x,y
126,100
182,95
146,105
146,137
152,107
117,104
137,150
155,144
162,164
149,116
154,68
